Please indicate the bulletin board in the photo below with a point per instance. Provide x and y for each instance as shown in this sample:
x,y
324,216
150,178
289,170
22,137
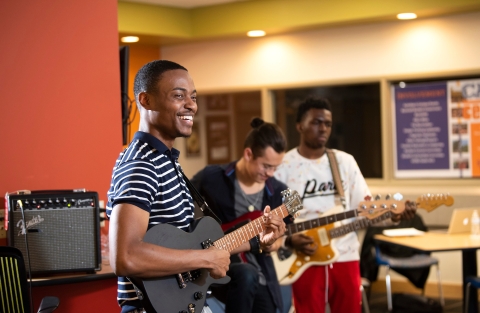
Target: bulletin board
x,y
437,129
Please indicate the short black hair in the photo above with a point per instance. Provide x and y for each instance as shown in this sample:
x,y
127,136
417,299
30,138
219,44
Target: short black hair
x,y
148,76
264,135
312,103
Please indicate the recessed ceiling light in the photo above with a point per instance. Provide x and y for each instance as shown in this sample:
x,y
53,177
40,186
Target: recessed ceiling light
x,y
406,16
130,39
256,33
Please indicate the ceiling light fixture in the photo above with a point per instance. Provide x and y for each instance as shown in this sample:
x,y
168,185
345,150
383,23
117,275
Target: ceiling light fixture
x,y
406,16
130,39
256,33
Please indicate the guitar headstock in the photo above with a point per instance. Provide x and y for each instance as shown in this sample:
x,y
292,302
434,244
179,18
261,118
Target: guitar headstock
x,y
374,208
430,202
292,201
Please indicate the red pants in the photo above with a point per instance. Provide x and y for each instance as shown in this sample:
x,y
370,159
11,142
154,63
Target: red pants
x,y
340,282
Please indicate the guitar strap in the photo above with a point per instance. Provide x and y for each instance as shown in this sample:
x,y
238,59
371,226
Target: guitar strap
x,y
336,176
197,197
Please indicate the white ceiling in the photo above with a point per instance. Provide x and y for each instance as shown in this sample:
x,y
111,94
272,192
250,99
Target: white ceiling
x,y
183,3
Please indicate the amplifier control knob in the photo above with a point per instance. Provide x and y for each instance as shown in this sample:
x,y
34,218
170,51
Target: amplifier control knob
x,y
26,203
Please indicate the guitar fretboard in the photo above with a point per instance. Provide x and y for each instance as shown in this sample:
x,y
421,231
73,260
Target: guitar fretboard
x,y
358,224
236,238
317,222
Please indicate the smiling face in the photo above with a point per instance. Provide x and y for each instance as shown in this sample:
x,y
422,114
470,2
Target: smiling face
x,y
315,128
169,109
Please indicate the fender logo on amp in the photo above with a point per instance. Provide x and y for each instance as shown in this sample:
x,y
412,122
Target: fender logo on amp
x,y
34,221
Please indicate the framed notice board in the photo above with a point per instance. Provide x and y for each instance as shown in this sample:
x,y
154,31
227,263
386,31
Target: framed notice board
x,y
437,129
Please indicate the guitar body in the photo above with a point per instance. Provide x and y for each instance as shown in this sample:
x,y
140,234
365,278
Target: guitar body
x,y
242,220
292,267
164,294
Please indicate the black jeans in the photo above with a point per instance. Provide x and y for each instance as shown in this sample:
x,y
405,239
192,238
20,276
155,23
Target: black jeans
x,y
244,293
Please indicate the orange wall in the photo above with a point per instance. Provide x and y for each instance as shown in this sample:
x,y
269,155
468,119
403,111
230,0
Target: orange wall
x,y
61,118
60,115
139,56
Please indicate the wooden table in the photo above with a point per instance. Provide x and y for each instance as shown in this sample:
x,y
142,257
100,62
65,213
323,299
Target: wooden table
x,y
438,242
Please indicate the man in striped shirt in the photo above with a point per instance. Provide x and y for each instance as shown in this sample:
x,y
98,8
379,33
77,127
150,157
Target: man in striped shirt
x,y
147,188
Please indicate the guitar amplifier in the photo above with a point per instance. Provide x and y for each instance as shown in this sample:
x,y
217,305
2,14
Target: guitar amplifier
x,y
57,231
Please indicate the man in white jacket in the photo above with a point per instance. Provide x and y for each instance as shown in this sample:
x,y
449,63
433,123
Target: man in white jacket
x,y
306,169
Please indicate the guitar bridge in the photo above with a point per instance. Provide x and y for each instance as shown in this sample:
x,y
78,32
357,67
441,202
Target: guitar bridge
x,y
184,278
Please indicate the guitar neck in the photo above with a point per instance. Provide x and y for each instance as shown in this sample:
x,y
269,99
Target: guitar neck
x,y
236,238
358,224
317,222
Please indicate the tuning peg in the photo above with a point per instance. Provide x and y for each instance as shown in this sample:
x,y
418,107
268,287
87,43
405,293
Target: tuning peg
x,y
378,197
397,196
387,197
367,198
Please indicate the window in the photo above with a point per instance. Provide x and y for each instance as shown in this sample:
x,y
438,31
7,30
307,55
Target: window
x,y
356,120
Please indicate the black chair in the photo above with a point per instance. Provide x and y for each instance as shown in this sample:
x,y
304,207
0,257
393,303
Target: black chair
x,y
417,261
14,289
405,261
472,282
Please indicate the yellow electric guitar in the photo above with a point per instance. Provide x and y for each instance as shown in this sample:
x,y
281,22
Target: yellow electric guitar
x,y
291,264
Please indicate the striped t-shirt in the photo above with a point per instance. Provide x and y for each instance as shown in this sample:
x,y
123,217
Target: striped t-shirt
x,y
147,175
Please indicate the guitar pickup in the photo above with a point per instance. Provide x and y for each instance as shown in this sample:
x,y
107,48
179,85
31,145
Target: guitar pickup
x,y
323,236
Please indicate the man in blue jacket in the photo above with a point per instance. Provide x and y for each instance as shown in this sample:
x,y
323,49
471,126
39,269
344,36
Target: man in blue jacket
x,y
238,190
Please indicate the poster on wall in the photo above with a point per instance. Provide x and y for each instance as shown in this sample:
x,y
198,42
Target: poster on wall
x,y
437,129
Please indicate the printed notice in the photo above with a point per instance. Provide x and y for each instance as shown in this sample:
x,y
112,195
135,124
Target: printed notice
x,y
422,127
437,129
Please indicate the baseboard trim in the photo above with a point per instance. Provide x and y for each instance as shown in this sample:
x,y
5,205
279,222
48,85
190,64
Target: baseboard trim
x,y
450,290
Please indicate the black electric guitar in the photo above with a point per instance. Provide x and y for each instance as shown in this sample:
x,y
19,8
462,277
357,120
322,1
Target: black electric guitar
x,y
186,292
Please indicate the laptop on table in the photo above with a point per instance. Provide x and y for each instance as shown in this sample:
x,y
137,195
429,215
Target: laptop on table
x,y
460,221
